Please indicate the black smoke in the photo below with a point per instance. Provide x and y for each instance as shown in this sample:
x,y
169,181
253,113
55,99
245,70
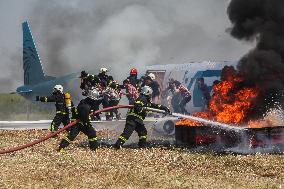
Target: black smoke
x,y
261,21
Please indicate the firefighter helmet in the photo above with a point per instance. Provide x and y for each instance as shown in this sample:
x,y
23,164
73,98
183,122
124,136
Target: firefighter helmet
x,y
146,90
103,70
84,74
153,77
133,71
58,88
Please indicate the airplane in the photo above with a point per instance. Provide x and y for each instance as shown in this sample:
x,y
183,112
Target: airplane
x,y
35,80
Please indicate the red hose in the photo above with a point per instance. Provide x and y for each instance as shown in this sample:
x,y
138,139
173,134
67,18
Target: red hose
x,y
4,151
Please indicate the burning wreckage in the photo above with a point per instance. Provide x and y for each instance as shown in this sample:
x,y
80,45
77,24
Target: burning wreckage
x,y
235,102
245,95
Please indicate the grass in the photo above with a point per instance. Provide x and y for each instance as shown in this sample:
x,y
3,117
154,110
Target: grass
x,y
15,107
43,167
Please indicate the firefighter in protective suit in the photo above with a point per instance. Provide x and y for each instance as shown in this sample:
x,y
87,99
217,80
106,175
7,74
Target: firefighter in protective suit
x,y
104,78
82,113
135,117
63,105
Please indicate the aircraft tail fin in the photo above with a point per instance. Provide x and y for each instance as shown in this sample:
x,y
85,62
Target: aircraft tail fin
x,y
33,72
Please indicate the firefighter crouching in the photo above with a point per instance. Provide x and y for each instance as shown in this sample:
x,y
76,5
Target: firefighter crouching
x,y
135,117
82,113
63,105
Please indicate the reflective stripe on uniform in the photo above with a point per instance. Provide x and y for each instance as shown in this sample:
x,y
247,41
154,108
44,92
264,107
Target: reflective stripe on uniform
x,y
139,102
136,115
60,112
52,126
122,138
143,137
45,99
93,139
67,139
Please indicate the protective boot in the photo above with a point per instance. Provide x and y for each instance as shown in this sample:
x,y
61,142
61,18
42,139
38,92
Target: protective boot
x,y
64,143
93,145
119,143
143,143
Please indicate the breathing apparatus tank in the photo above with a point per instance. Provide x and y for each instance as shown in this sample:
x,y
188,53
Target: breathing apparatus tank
x,y
68,101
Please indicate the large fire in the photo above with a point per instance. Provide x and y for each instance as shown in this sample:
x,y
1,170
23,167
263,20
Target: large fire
x,y
230,102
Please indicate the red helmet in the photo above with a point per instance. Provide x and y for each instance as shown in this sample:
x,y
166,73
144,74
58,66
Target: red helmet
x,y
133,71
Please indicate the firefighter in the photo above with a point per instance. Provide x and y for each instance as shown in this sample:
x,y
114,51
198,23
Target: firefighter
x,y
135,117
133,77
104,78
155,87
84,125
131,91
90,84
205,93
185,96
88,80
63,104
113,96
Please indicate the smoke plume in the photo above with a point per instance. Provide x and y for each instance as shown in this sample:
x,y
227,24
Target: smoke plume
x,y
261,21
132,33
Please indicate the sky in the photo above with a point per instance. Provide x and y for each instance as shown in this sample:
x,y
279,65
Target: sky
x,y
72,35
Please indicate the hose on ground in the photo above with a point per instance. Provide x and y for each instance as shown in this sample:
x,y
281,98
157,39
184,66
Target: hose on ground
x,y
52,134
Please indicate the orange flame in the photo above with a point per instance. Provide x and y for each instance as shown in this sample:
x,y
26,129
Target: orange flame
x,y
229,103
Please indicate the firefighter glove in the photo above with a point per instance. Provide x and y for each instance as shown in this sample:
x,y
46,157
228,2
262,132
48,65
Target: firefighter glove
x,y
167,110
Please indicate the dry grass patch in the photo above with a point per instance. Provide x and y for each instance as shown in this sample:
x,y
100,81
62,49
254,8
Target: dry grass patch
x,y
42,167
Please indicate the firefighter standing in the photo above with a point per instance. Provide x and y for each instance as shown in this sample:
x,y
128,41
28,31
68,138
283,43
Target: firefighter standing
x,y
155,87
205,93
113,95
62,103
135,117
131,91
104,78
133,77
88,80
90,84
185,96
82,113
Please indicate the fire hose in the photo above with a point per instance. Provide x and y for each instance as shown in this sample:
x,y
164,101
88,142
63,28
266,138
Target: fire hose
x,y
9,150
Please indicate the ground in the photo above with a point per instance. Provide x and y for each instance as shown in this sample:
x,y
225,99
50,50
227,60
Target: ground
x,y
161,167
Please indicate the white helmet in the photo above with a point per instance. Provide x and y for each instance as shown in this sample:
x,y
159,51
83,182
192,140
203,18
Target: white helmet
x,y
146,90
103,70
58,88
152,76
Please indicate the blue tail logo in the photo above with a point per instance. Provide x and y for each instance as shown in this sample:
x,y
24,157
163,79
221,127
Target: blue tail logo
x,y
33,72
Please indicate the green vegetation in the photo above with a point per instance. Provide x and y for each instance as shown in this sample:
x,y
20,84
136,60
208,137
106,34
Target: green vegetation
x,y
16,107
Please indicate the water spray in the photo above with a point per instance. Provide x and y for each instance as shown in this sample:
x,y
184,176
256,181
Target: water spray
x,y
202,120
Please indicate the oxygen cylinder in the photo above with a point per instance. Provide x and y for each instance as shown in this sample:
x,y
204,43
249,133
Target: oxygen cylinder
x,y
68,100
